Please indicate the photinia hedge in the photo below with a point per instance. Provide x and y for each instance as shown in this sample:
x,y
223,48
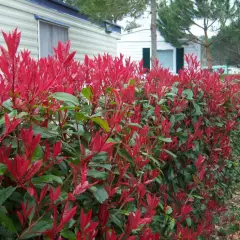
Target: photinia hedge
x,y
103,150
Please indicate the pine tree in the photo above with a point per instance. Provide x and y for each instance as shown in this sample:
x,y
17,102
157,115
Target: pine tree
x,y
111,10
175,21
226,49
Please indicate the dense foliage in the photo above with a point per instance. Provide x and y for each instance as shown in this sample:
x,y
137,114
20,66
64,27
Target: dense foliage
x,y
227,53
101,150
111,10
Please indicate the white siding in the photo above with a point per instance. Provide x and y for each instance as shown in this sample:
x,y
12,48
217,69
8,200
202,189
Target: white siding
x,y
85,37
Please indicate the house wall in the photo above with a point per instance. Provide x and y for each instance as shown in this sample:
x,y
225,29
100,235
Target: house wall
x,y
131,45
85,37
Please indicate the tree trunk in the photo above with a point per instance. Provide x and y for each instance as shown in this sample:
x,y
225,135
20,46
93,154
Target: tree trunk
x,y
154,30
209,57
207,47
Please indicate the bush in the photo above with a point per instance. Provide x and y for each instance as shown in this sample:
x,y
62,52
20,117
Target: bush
x,y
99,150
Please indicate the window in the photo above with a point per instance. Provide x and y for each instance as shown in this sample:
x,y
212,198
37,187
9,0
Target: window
x,y
165,58
49,36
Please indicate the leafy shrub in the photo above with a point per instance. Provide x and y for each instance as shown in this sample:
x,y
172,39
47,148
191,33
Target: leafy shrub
x,y
99,150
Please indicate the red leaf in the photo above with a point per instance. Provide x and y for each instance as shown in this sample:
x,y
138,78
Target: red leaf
x,y
111,235
7,122
84,173
71,197
17,167
19,215
103,214
30,142
43,193
67,216
12,40
186,209
200,161
33,170
201,174
54,194
57,149
32,191
81,188
10,125
69,59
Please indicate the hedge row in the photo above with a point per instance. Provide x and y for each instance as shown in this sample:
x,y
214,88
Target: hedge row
x,y
103,150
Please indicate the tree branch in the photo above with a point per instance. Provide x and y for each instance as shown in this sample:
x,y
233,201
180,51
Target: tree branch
x,y
194,23
234,51
216,40
195,39
211,23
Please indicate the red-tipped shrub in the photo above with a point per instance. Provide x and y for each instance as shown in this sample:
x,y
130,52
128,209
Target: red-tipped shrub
x,y
99,150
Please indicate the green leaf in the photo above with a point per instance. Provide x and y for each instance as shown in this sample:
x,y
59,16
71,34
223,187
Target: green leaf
x,y
87,93
188,93
162,101
80,116
38,153
155,161
99,165
71,151
22,114
47,179
170,94
6,193
189,221
3,168
97,174
8,105
132,82
169,210
69,99
102,123
99,193
179,117
38,228
100,157
197,109
11,115
111,140
170,153
45,133
116,220
197,196
7,222
172,224
170,174
124,154
168,140
68,235
134,125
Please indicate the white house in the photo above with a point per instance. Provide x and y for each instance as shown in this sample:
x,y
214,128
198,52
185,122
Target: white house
x,y
137,45
45,22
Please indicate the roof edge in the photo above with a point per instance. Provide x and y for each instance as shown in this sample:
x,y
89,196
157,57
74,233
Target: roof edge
x,y
74,11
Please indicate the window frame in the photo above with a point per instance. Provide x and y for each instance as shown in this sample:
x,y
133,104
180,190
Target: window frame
x,y
51,22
